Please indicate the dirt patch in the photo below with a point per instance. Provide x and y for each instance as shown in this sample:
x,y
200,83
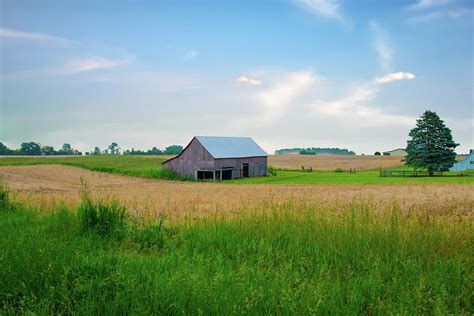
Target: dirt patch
x,y
49,184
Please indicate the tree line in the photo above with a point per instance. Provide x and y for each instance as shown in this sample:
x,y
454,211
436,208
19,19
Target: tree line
x,y
36,149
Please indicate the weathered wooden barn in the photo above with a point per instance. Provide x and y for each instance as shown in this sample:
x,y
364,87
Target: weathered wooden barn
x,y
220,158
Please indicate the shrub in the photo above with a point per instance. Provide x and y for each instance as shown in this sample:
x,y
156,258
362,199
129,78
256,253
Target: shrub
x,y
168,174
271,170
338,170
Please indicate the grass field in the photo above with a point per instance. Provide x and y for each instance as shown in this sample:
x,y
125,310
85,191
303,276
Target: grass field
x,y
150,167
293,258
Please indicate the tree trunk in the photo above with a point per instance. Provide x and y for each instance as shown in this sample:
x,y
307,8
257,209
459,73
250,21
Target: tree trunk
x,y
430,172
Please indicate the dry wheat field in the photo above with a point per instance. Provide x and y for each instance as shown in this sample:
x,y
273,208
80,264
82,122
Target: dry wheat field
x,y
44,185
332,162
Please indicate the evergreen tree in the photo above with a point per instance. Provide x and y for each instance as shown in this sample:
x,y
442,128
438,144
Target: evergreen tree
x,y
431,145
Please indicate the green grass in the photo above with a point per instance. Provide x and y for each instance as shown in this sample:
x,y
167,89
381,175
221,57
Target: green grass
x,y
363,177
150,167
143,167
285,260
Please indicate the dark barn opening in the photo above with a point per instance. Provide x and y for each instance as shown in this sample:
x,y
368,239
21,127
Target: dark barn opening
x,y
245,170
227,174
205,175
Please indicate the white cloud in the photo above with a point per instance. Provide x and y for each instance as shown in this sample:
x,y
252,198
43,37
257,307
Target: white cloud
x,y
277,99
248,81
29,36
382,45
355,106
325,8
91,63
190,54
394,76
427,4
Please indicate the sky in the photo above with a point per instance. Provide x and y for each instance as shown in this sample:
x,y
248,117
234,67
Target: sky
x,y
302,73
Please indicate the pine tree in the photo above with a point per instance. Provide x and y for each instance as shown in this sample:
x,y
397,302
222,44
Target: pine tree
x,y
431,145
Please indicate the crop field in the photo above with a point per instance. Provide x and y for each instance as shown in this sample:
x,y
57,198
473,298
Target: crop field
x,y
333,162
112,237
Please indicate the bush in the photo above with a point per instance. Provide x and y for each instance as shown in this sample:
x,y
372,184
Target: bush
x,y
339,170
168,174
271,171
377,153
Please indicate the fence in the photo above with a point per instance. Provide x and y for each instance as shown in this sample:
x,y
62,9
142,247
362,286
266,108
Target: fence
x,y
406,173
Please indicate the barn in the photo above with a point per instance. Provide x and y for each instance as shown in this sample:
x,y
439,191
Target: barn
x,y
220,158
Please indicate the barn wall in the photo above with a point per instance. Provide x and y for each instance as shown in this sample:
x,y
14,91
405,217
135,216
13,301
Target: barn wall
x,y
194,157
257,165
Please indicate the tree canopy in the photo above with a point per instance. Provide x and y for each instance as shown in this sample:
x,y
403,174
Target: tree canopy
x,y
431,145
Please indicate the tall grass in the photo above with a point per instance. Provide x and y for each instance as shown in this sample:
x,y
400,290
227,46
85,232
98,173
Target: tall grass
x,y
282,260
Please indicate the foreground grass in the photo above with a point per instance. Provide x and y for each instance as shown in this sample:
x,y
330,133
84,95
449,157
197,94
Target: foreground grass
x,y
96,260
150,167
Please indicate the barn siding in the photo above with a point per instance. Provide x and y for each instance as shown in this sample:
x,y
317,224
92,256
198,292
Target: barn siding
x,y
257,165
194,157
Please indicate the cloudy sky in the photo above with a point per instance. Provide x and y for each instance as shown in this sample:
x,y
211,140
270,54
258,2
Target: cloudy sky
x,y
322,73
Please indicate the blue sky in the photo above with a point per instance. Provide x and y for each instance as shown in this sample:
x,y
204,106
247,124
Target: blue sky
x,y
321,73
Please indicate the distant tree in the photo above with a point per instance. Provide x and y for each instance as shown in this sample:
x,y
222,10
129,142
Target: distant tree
x,y
114,149
47,150
66,149
96,151
173,150
87,153
4,150
156,151
30,148
377,153
431,145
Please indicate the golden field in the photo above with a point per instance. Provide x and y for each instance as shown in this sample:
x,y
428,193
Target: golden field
x,y
44,185
332,162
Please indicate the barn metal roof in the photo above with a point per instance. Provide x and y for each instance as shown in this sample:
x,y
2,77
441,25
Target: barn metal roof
x,y
231,147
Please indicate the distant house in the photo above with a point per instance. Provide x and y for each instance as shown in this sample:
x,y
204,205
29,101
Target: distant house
x,y
466,164
396,152
220,158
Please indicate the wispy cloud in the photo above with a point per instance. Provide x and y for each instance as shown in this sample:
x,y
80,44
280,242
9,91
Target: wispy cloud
x,y
244,80
278,98
325,8
427,4
92,63
30,36
190,54
355,105
394,76
382,46
442,14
